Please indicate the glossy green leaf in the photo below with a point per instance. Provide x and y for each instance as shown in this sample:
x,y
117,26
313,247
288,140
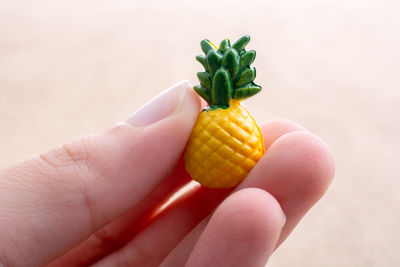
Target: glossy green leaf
x,y
205,79
206,46
246,77
213,61
224,45
203,92
221,88
203,61
240,44
246,91
227,72
247,58
230,61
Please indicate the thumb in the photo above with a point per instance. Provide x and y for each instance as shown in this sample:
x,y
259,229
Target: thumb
x,y
50,204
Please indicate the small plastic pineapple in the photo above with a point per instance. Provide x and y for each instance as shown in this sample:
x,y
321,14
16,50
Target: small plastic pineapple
x,y
226,142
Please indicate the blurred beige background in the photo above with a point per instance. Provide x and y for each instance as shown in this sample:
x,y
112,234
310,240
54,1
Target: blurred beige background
x,y
69,68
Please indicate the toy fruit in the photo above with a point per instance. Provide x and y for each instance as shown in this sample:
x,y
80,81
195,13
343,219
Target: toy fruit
x,y
226,142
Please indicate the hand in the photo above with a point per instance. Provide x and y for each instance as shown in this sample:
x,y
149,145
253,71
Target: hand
x,y
97,199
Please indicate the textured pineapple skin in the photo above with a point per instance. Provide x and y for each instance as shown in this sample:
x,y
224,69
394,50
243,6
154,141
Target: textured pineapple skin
x,y
224,146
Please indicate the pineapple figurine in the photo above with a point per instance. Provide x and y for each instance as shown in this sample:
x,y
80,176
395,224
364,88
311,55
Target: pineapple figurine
x,y
226,142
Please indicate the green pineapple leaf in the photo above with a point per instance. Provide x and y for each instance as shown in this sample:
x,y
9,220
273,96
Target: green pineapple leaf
x,y
246,91
240,44
246,77
206,46
205,79
247,58
203,61
224,45
230,61
213,61
221,92
203,92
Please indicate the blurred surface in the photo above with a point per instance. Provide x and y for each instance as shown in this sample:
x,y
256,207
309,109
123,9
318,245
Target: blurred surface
x,y
69,68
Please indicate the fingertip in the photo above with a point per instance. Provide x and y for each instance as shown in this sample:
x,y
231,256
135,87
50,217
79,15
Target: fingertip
x,y
243,231
274,129
324,160
305,157
255,206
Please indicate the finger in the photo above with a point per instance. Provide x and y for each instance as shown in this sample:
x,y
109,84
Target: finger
x,y
276,128
116,234
52,203
167,229
296,170
242,231
186,213
179,255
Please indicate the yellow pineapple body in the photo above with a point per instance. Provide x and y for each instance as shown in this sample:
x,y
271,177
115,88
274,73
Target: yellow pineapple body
x,y
224,146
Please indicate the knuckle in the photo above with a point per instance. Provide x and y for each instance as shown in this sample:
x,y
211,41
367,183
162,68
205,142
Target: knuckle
x,y
72,161
78,151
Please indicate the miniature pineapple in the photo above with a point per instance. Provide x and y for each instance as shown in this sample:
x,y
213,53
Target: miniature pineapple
x,y
226,142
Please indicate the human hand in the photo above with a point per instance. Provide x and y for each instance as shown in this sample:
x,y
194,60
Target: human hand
x,y
96,200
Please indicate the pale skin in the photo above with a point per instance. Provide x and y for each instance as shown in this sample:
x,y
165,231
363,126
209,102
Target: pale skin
x,y
92,200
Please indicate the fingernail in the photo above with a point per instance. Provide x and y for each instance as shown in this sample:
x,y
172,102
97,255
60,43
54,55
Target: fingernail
x,y
160,106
